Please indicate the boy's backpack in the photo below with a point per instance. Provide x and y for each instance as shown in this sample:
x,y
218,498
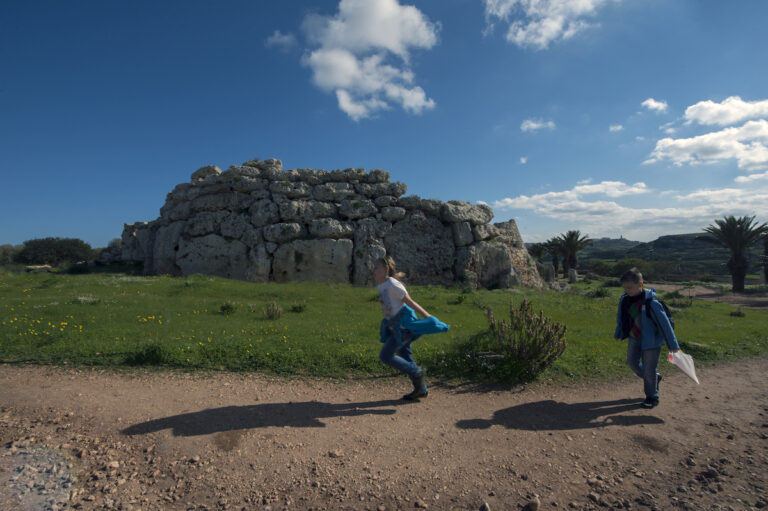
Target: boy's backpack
x,y
663,306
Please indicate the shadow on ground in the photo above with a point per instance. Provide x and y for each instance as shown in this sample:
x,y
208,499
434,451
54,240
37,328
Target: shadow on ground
x,y
554,415
228,418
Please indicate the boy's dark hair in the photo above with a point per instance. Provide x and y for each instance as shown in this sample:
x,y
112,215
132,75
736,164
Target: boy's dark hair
x,y
631,275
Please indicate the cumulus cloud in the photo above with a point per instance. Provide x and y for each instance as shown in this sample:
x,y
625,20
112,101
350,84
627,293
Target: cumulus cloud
x,y
613,128
536,125
687,213
363,53
732,110
747,144
654,105
284,42
537,23
523,160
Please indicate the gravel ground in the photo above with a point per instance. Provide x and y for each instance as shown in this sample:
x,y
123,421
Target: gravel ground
x,y
95,439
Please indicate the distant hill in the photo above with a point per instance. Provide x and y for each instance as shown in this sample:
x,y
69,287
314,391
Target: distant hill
x,y
691,258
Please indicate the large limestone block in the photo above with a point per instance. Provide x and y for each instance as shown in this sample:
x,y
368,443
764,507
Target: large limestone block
x,y
204,172
331,228
369,246
264,212
205,222
459,211
423,248
283,233
393,214
333,192
213,255
233,201
355,209
234,225
292,190
462,234
136,242
165,248
509,232
313,261
304,211
259,265
490,264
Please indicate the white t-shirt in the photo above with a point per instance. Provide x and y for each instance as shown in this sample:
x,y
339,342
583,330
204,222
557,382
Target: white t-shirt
x,y
391,294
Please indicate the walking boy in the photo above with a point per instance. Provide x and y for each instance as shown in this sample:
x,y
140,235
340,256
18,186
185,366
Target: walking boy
x,y
643,320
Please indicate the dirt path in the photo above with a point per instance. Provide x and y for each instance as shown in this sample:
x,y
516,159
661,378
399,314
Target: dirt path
x,y
100,440
752,301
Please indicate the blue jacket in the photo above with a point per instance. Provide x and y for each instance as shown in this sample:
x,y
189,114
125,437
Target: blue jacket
x,y
654,332
406,327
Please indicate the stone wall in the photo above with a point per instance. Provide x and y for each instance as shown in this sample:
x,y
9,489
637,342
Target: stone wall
x,y
258,222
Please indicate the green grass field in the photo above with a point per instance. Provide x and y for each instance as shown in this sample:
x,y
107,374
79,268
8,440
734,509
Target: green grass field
x,y
201,322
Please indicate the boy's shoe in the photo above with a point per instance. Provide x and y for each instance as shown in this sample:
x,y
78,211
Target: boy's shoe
x,y
650,403
416,395
658,381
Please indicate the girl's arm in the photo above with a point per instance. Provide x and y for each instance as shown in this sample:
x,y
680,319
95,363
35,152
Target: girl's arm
x,y
415,306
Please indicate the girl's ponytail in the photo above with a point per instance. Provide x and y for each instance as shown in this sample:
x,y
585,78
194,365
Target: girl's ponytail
x,y
389,264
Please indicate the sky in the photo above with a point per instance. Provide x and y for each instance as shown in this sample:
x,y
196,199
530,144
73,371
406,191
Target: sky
x,y
612,117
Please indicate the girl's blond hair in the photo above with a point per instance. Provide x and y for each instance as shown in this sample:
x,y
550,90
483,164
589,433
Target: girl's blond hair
x,y
389,264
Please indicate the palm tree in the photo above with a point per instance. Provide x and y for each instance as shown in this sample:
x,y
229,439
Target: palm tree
x,y
572,242
737,235
555,250
537,251
765,258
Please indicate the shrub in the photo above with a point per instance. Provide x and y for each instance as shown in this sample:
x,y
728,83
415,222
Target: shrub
x,y
154,354
738,313
273,311
298,307
227,308
600,292
528,342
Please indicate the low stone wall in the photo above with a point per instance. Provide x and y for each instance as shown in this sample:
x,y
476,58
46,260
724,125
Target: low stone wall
x,y
258,222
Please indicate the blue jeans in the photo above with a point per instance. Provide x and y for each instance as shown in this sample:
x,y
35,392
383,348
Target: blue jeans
x,y
644,364
399,356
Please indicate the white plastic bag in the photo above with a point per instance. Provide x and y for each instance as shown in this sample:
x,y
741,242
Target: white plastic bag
x,y
685,363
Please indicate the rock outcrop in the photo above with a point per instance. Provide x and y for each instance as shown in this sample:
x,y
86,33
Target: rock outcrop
x,y
260,223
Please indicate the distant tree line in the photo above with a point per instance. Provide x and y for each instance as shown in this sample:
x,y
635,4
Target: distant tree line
x,y
737,234
50,251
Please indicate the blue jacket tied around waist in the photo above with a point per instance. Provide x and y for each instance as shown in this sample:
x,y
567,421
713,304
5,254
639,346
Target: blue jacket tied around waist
x,y
405,327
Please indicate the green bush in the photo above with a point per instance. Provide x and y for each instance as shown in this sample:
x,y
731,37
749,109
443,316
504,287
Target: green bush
x,y
227,308
529,343
155,354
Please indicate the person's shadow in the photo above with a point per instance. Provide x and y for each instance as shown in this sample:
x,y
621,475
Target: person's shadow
x,y
553,415
298,415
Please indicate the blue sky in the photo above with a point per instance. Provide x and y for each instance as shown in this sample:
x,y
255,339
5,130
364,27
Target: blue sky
x,y
614,117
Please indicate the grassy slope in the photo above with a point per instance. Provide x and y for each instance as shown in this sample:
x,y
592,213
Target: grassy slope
x,y
116,320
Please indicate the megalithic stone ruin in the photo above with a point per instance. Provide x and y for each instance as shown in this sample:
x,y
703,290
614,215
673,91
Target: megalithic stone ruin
x,y
260,223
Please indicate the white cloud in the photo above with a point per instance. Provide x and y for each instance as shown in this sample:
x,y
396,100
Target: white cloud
x,y
687,213
284,42
752,177
747,144
536,125
654,105
613,128
537,23
523,160
731,111
668,128
363,55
